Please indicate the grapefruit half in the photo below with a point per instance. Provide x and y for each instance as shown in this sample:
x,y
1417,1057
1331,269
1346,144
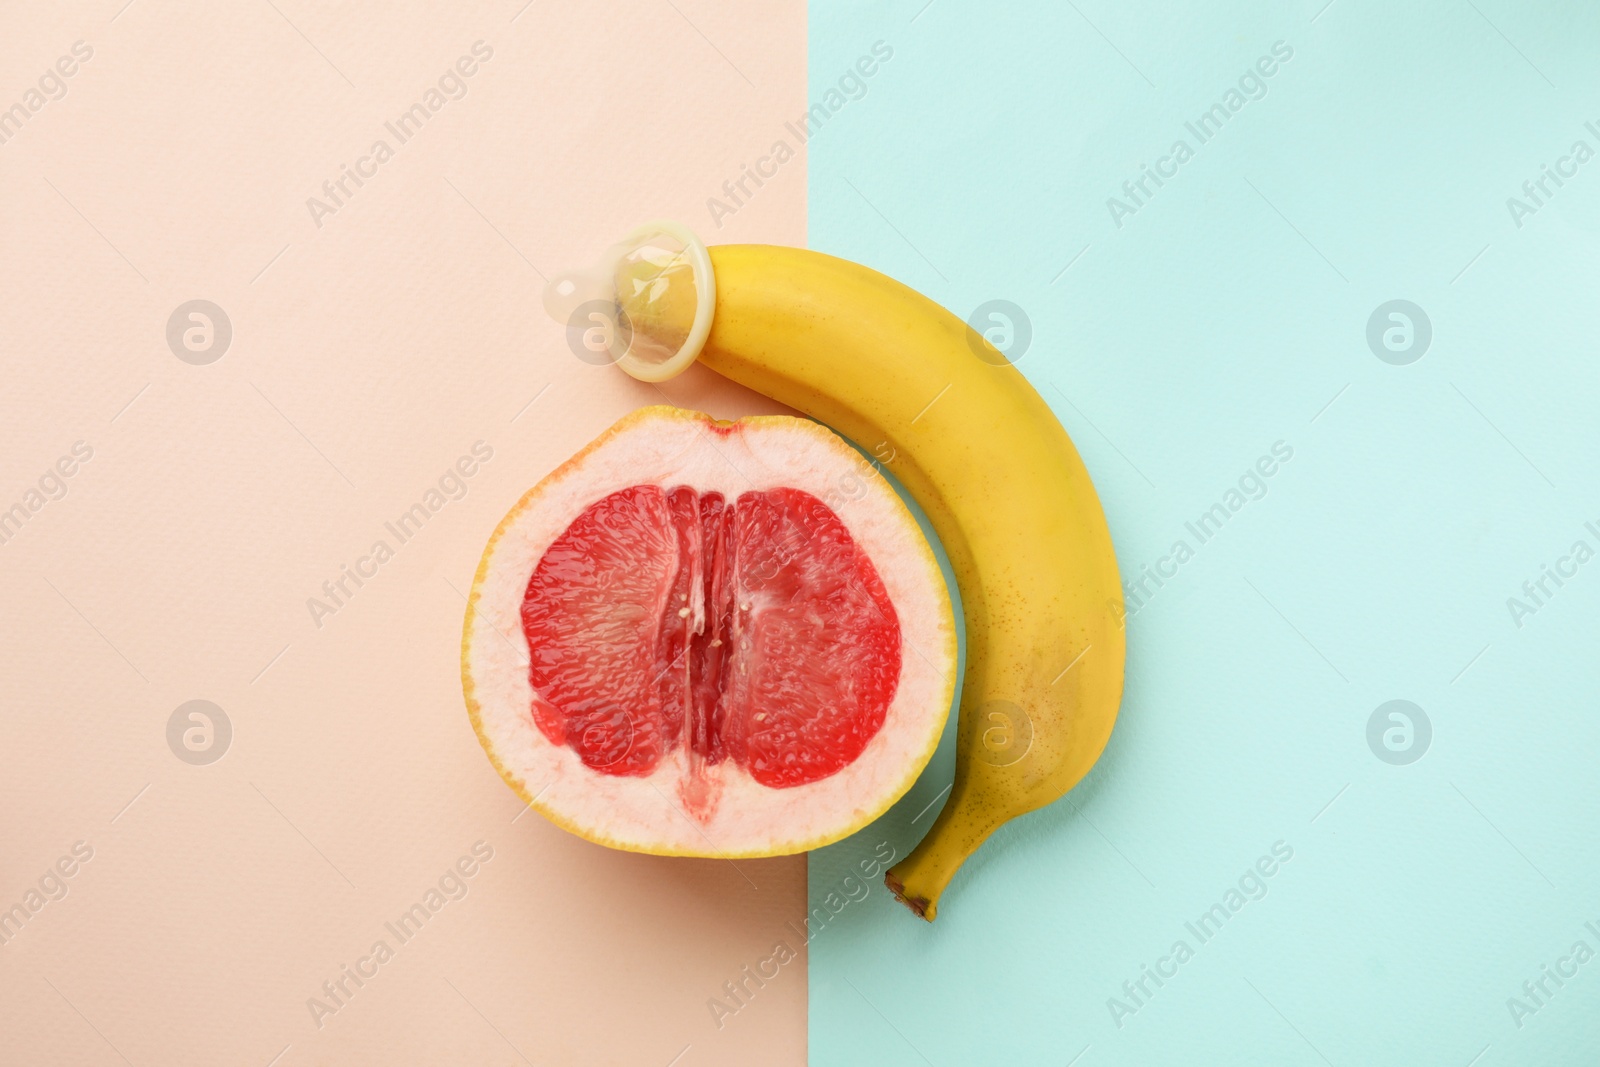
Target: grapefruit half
x,y
705,638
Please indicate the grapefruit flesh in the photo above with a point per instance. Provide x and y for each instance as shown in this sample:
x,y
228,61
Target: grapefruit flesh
x,y
710,639
755,631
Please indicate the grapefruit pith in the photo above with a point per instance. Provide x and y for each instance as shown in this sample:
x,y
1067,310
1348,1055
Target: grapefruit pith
x,y
710,639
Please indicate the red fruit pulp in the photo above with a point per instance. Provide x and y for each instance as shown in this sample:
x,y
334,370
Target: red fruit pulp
x,y
755,631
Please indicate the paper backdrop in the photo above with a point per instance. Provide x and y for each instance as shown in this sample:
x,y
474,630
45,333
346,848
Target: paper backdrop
x,y
1331,366
194,478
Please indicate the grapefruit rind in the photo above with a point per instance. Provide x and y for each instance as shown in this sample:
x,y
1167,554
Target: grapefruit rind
x,y
668,445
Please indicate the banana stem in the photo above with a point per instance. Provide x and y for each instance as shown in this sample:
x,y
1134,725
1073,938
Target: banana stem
x,y
920,879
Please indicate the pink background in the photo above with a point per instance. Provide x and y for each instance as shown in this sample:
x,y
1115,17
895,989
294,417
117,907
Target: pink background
x,y
368,354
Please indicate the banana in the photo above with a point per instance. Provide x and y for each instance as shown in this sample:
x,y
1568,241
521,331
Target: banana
x,y
990,465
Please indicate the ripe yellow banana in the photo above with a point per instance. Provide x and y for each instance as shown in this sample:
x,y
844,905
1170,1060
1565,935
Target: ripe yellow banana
x,y
996,474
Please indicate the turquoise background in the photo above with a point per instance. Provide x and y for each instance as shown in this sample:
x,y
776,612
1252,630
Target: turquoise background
x,y
1229,313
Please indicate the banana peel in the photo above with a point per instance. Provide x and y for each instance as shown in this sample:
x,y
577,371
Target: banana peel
x,y
983,455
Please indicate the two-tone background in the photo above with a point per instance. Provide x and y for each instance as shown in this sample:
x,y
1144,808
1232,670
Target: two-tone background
x,y
1349,244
